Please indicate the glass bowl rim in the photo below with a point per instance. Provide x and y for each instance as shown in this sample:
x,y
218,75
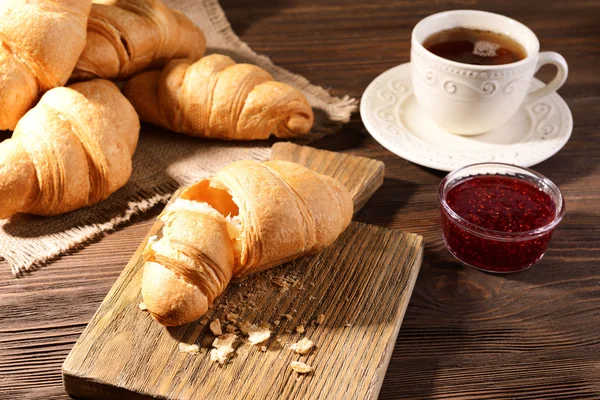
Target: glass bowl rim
x,y
494,234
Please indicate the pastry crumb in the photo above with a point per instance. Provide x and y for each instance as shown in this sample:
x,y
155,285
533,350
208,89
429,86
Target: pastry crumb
x,y
300,329
281,283
321,319
142,306
287,316
311,297
231,328
231,317
223,347
215,327
302,346
255,333
300,367
188,348
263,348
348,324
276,322
204,321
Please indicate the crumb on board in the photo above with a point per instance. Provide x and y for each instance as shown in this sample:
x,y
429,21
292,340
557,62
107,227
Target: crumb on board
x,y
300,329
204,321
231,317
348,324
302,346
231,328
215,327
223,347
300,367
311,297
255,333
287,316
188,348
263,348
321,319
142,306
281,283
276,322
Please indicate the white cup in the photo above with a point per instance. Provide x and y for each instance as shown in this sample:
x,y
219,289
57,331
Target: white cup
x,y
472,99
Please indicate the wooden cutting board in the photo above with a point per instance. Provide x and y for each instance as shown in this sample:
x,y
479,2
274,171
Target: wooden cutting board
x,y
361,284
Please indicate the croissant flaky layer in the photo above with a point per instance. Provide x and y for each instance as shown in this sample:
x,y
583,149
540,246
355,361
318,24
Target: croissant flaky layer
x,y
40,42
250,217
126,37
71,150
217,98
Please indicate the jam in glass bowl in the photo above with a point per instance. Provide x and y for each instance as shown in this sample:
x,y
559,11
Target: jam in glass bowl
x,y
499,217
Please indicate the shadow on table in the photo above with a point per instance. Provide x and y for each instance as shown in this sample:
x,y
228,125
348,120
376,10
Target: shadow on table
x,y
446,295
387,201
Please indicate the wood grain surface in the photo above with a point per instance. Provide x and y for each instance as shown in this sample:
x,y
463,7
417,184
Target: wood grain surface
x,y
466,334
361,285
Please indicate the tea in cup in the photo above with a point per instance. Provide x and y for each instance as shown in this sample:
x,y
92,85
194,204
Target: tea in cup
x,y
471,70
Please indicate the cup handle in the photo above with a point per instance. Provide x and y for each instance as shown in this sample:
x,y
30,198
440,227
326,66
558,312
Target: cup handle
x,y
550,57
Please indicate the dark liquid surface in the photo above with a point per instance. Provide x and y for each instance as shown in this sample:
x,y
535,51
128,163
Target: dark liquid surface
x,y
476,47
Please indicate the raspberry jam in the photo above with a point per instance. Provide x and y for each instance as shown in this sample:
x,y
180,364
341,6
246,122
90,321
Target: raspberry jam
x,y
499,222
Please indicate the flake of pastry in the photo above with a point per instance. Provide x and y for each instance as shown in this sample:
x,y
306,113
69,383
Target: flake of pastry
x,y
223,347
300,367
189,348
302,346
215,327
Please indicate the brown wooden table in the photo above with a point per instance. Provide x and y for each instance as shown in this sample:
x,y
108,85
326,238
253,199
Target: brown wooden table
x,y
466,334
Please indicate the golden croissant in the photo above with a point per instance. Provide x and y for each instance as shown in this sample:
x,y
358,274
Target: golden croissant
x,y
250,217
41,42
126,37
71,150
217,98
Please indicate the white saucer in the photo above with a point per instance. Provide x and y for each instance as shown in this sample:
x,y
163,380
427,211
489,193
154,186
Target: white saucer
x,y
393,117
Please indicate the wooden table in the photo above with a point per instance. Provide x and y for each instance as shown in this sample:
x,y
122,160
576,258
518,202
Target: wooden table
x,y
466,334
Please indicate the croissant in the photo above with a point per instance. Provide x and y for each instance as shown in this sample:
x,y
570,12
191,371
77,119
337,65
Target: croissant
x,y
250,217
40,43
71,150
126,37
217,98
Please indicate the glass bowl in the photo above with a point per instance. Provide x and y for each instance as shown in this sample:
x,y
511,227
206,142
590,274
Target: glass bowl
x,y
498,251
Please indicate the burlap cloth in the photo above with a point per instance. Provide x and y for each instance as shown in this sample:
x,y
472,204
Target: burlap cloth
x,y
163,161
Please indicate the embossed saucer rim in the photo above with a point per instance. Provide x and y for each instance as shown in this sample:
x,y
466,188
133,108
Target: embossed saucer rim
x,y
394,136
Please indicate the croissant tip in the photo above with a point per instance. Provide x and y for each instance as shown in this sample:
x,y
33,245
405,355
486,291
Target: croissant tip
x,y
298,125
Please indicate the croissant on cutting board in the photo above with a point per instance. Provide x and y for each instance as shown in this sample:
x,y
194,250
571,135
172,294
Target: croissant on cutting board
x,y
40,43
71,150
126,37
250,217
217,98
